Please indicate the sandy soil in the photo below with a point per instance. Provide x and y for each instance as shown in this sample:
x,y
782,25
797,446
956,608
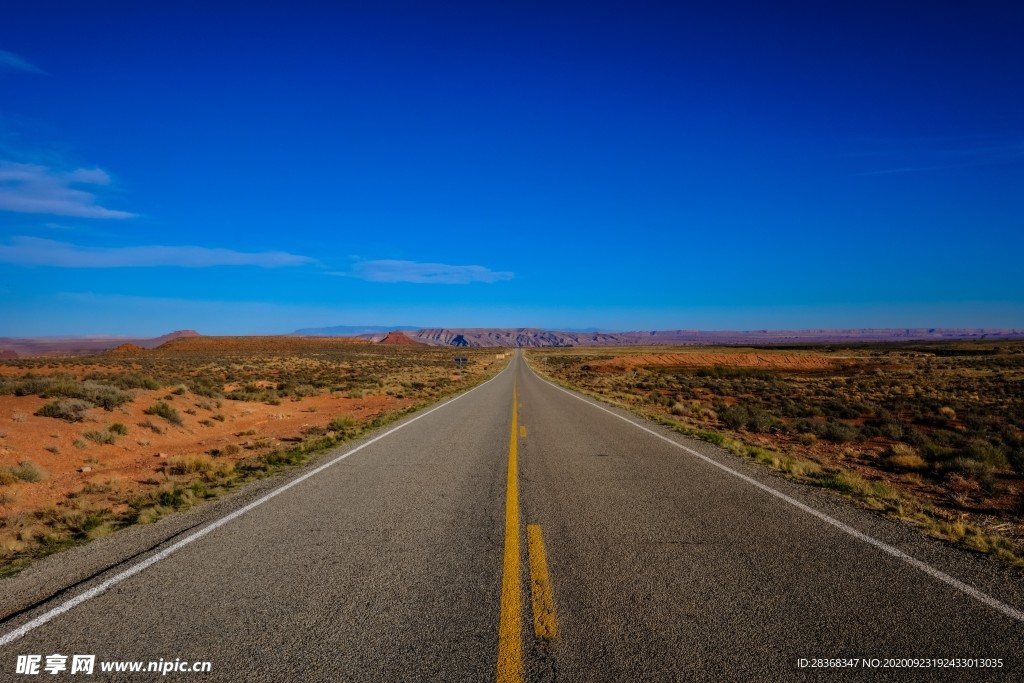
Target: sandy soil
x,y
140,455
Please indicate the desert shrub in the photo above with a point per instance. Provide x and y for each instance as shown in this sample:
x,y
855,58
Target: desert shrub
x,y
26,470
731,372
759,420
118,428
915,437
807,426
133,381
152,426
838,432
102,395
870,431
252,395
734,417
314,430
100,436
203,386
891,430
302,390
70,409
25,387
983,451
199,464
976,470
165,411
345,424
846,410
904,457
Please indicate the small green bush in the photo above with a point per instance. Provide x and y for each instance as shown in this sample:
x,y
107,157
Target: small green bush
x,y
27,470
202,386
734,417
161,409
100,436
102,395
152,426
70,409
344,424
136,382
839,432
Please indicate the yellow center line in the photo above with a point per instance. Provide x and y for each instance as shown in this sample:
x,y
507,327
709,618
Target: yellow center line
x,y
544,624
510,625
522,430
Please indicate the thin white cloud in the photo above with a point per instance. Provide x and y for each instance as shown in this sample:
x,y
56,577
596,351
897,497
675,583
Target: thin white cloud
x,y
32,188
424,273
948,158
12,62
31,251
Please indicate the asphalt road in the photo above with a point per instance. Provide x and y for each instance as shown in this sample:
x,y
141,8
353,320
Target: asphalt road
x,y
411,560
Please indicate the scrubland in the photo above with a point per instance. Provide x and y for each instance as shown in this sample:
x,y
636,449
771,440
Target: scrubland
x,y
932,434
90,444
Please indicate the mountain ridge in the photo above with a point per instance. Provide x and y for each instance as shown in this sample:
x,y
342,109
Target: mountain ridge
x,y
537,337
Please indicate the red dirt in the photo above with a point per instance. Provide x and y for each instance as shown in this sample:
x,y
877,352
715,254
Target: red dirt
x,y
126,463
248,345
399,338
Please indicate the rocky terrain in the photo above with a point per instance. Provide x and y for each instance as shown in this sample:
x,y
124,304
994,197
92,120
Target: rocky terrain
x,y
398,338
534,337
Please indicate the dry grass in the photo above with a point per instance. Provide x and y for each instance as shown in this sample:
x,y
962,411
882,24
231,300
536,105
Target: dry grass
x,y
214,376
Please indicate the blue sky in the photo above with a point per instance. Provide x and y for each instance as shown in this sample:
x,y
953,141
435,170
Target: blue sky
x,y
743,166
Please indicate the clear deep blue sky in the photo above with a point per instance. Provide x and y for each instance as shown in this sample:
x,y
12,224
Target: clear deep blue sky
x,y
735,166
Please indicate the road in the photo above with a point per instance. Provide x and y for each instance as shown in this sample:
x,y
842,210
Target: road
x,y
543,538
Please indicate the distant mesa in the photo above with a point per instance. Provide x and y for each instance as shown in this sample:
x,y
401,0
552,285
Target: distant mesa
x,y
190,341
399,338
178,334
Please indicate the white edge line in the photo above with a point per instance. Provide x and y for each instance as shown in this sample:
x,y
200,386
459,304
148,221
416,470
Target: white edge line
x,y
25,628
973,592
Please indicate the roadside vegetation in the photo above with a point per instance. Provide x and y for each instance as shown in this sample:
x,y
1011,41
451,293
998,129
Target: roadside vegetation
x,y
932,434
82,438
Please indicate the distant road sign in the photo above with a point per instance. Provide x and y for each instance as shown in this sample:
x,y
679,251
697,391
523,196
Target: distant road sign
x,y
461,361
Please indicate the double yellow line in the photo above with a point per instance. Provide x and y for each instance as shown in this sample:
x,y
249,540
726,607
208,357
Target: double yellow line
x,y
510,625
